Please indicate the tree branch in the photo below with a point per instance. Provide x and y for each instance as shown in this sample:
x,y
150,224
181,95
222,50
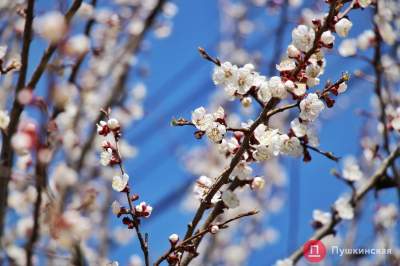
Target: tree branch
x,y
6,151
181,245
358,196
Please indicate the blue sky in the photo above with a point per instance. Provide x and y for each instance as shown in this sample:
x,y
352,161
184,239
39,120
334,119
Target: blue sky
x,y
180,81
173,92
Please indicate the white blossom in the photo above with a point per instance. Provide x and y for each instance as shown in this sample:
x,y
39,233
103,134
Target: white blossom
x,y
106,156
312,82
313,70
64,176
228,145
116,207
342,87
4,119
286,65
215,132
348,47
246,102
230,199
383,21
201,119
144,209
21,142
310,107
264,92
327,37
51,26
174,238
303,38
365,39
343,26
321,217
85,10
214,229
351,170
292,51
113,124
201,187
277,88
258,183
244,80
387,216
291,146
3,51
225,74
135,260
242,170
269,143
298,88
77,45
219,114
344,208
298,128
119,183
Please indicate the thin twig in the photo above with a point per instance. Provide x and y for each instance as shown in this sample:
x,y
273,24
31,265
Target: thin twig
x,y
132,46
182,122
181,245
327,154
136,221
358,196
6,156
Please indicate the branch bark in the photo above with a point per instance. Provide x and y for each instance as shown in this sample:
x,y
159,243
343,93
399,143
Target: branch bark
x,y
6,151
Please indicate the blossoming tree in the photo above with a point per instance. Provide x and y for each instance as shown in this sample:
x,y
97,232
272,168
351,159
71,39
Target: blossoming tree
x,y
70,107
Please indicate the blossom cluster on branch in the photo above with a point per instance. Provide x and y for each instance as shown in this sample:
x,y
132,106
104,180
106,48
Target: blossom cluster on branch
x,y
67,106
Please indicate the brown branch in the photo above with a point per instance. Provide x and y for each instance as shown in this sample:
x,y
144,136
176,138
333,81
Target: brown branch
x,y
282,109
182,122
41,173
6,156
327,154
358,196
88,28
218,209
181,245
224,178
378,70
333,10
217,62
136,221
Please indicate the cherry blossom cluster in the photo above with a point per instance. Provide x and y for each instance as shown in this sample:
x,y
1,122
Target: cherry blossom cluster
x,y
110,156
299,71
52,186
